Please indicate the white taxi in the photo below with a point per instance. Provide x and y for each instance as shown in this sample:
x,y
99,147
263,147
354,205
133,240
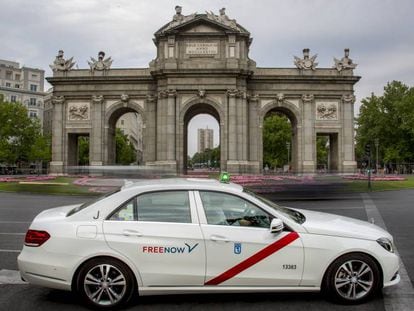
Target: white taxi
x,y
177,236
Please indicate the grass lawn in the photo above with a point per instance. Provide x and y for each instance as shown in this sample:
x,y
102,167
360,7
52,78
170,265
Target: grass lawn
x,y
362,185
43,187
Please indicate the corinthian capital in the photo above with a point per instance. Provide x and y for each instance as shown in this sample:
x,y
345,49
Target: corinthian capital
x,y
253,97
232,92
308,98
348,98
97,99
150,98
171,93
58,100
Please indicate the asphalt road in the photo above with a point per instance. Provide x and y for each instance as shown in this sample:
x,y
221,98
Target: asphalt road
x,y
17,211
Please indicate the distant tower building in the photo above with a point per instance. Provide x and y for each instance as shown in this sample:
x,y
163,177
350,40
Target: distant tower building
x,y
205,139
24,85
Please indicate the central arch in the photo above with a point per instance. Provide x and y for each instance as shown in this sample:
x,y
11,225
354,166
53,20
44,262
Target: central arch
x,y
193,108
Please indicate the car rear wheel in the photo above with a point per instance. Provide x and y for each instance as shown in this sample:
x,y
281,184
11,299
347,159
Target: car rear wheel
x,y
105,283
352,279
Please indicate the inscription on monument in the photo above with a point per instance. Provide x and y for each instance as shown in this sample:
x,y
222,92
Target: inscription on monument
x,y
201,48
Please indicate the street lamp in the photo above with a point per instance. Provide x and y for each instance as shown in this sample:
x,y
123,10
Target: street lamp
x,y
376,142
288,150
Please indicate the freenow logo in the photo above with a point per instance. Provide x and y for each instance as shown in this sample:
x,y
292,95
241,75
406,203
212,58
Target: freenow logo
x,y
169,249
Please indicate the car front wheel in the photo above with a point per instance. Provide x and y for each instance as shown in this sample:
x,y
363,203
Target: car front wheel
x,y
105,283
352,279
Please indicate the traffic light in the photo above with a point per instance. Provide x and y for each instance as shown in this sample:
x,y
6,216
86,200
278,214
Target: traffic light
x,y
368,150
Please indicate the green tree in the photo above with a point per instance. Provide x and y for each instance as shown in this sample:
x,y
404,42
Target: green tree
x,y
83,150
390,119
277,131
41,149
322,150
18,133
212,155
125,151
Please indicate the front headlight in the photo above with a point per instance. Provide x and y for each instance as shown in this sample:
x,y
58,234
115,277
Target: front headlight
x,y
387,244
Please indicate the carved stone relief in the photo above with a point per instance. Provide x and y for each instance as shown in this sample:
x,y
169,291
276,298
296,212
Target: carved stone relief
x,y
124,98
201,93
78,111
280,97
327,111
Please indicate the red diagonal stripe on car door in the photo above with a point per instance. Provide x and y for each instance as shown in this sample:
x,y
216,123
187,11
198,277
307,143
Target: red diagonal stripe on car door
x,y
254,259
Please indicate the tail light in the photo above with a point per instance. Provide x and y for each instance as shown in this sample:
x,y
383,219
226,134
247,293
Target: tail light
x,y
36,238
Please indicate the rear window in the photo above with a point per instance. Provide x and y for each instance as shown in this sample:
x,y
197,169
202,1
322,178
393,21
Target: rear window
x,y
89,203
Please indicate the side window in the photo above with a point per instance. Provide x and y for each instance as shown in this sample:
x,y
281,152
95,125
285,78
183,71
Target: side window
x,y
127,212
230,210
165,206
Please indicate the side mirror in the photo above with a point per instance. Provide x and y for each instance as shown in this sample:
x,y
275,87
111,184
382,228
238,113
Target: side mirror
x,y
276,225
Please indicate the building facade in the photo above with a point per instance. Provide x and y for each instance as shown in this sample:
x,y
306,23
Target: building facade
x,y
24,85
131,125
202,66
204,139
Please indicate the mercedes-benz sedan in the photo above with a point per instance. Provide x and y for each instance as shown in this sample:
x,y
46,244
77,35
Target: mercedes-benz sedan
x,y
202,236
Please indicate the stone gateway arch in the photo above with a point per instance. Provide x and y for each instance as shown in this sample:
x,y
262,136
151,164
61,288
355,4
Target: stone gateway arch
x,y
203,66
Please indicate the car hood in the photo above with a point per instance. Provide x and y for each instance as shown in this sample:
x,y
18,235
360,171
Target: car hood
x,y
55,213
335,225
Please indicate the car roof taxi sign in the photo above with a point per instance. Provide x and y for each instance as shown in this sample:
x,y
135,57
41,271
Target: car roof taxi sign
x,y
224,177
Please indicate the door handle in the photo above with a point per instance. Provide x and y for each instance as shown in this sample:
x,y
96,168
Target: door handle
x,y
131,233
219,238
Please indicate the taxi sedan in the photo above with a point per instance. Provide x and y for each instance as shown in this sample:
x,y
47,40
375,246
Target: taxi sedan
x,y
201,236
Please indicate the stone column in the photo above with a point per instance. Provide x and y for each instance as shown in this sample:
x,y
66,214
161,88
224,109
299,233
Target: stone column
x,y
166,130
349,164
149,133
254,134
232,125
170,125
57,164
161,126
308,134
244,120
97,120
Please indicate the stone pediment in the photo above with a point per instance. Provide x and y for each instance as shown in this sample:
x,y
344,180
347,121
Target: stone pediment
x,y
201,23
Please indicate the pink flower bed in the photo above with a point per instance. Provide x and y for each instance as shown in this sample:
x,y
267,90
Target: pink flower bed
x,y
375,178
262,180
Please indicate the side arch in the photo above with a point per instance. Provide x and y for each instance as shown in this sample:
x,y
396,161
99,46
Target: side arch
x,y
119,108
112,114
291,110
293,113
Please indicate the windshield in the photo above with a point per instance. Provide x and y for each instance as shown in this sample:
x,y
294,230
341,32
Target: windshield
x,y
292,214
89,203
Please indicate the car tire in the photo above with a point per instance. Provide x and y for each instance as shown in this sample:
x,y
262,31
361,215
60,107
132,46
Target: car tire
x,y
105,283
352,279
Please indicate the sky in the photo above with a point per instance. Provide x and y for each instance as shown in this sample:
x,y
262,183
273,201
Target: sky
x,y
379,34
